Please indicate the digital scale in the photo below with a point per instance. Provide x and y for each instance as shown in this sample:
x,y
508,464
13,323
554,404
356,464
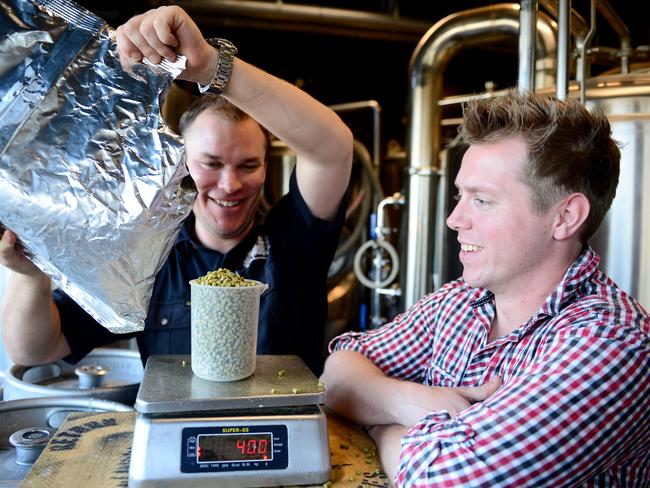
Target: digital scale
x,y
265,430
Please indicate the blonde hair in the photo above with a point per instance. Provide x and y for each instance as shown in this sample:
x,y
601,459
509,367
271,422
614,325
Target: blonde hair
x,y
570,149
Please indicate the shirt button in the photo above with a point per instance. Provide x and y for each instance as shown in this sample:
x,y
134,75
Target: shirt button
x,y
164,322
188,303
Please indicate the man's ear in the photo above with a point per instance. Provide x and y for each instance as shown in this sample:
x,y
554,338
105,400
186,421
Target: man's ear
x,y
572,212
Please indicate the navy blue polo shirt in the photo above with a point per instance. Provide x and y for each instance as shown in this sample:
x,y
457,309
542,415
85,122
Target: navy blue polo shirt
x,y
289,249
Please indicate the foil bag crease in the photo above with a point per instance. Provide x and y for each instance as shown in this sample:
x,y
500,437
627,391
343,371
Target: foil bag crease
x,y
90,174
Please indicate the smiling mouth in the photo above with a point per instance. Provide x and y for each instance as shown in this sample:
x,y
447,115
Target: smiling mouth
x,y
470,248
226,203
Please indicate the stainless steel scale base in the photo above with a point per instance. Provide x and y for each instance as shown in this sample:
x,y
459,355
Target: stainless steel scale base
x,y
265,430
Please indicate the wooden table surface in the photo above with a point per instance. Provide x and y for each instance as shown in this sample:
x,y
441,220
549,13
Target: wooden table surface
x,y
93,450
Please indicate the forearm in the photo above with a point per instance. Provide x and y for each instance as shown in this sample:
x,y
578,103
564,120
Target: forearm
x,y
307,126
389,444
311,129
31,326
322,142
358,390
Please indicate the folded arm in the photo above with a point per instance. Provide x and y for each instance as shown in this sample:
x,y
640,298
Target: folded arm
x,y
569,418
568,412
360,391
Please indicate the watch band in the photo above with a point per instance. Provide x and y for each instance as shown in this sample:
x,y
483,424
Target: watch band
x,y
223,70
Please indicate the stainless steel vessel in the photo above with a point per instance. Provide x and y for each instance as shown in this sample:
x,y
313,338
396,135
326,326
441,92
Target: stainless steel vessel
x,y
623,241
26,426
426,257
110,374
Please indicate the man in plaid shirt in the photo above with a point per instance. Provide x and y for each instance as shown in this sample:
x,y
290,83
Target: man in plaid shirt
x,y
533,369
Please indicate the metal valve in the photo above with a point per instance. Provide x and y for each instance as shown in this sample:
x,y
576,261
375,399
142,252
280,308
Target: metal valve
x,y
91,375
29,443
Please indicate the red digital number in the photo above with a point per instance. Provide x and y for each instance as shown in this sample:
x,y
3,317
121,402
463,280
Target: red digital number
x,y
241,445
252,445
263,446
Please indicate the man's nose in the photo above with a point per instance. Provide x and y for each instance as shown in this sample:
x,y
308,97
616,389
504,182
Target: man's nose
x,y
457,218
229,181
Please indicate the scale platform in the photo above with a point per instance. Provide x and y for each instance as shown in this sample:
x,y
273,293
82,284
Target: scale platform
x,y
265,430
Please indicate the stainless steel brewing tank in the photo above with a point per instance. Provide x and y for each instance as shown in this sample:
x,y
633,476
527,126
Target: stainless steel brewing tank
x,y
623,241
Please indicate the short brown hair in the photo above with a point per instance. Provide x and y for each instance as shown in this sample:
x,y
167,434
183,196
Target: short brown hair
x,y
223,107
570,149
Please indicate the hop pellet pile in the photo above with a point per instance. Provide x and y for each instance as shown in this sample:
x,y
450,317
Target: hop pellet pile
x,y
224,277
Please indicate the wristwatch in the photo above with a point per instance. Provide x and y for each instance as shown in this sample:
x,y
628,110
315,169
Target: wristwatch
x,y
222,72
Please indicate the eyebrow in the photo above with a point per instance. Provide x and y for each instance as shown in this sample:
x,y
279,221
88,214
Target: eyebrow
x,y
479,188
205,155
219,159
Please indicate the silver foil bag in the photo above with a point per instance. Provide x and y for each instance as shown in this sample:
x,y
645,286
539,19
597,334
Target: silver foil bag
x,y
90,175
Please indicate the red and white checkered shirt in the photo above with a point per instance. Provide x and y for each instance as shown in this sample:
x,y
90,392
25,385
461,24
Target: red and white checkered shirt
x,y
574,406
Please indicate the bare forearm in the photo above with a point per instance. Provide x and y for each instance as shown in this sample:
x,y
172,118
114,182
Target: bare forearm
x,y
389,443
357,389
323,143
307,126
31,325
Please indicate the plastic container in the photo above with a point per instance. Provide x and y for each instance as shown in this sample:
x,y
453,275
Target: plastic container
x,y
224,330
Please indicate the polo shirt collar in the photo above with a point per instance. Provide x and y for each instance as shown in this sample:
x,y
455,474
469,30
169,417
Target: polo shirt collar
x,y
235,255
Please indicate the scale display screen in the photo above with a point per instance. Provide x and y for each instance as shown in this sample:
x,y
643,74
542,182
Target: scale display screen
x,y
235,447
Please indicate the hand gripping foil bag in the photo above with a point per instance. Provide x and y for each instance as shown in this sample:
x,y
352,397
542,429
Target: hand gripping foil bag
x,y
90,175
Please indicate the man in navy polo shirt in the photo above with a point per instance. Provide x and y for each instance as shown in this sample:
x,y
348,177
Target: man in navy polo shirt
x,y
290,248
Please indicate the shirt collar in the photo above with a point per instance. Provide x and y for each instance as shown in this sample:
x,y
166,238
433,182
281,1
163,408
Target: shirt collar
x,y
185,234
237,253
581,271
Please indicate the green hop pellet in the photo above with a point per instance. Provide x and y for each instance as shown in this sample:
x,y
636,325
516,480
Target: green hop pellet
x,y
295,390
224,277
281,373
272,391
